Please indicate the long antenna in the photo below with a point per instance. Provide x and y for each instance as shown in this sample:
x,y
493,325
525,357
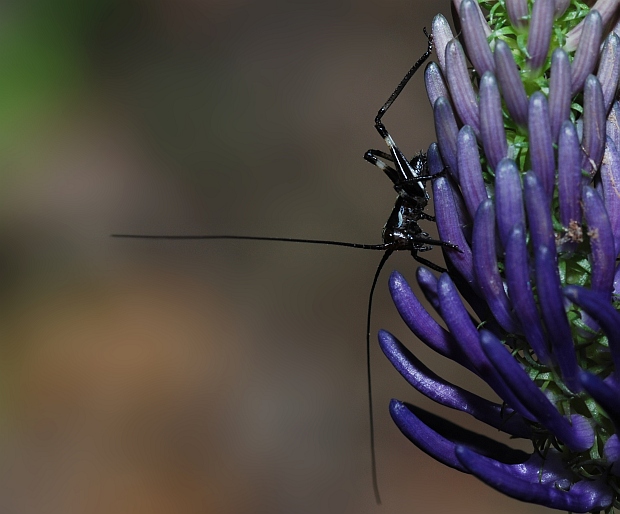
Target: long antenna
x,y
373,457
382,246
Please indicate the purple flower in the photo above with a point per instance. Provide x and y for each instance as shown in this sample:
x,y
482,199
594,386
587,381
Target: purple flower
x,y
531,140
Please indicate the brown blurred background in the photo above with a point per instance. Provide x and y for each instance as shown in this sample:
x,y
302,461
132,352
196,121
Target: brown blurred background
x,y
193,377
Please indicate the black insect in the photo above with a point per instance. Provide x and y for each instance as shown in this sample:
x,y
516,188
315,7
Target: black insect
x,y
401,231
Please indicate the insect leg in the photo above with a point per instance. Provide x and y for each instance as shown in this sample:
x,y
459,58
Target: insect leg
x,y
376,157
426,262
405,79
405,168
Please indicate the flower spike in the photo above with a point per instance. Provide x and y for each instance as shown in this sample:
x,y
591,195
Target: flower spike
x,y
531,302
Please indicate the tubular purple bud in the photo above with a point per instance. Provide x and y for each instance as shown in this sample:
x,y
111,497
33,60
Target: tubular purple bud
x,y
435,166
610,180
593,141
483,20
449,395
609,69
538,208
475,36
583,496
449,228
428,284
612,126
461,89
541,144
442,34
559,91
560,7
517,12
602,246
532,397
587,52
435,84
470,170
421,323
510,82
569,174
508,198
520,293
604,394
606,8
598,306
487,275
491,120
553,313
447,133
459,322
539,35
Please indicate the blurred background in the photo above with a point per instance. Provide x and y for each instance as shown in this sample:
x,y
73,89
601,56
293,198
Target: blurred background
x,y
194,377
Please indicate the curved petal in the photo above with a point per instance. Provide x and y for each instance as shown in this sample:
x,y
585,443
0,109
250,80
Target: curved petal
x,y
421,323
576,436
447,394
438,437
584,496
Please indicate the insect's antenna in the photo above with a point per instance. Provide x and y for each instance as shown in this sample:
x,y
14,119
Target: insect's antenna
x,y
373,457
383,246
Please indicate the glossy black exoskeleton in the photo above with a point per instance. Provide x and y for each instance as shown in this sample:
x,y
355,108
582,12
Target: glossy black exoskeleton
x,y
401,231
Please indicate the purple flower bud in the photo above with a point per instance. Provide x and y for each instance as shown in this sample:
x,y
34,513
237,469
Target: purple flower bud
x,y
607,10
449,228
537,206
539,36
491,121
428,284
459,322
611,452
541,144
609,69
442,35
560,7
442,448
447,394
587,51
575,436
421,323
486,272
475,36
470,170
559,91
510,82
612,126
461,89
447,133
569,175
521,296
605,394
483,21
517,13
597,305
610,180
554,315
602,246
435,84
458,208
593,124
508,198
584,496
